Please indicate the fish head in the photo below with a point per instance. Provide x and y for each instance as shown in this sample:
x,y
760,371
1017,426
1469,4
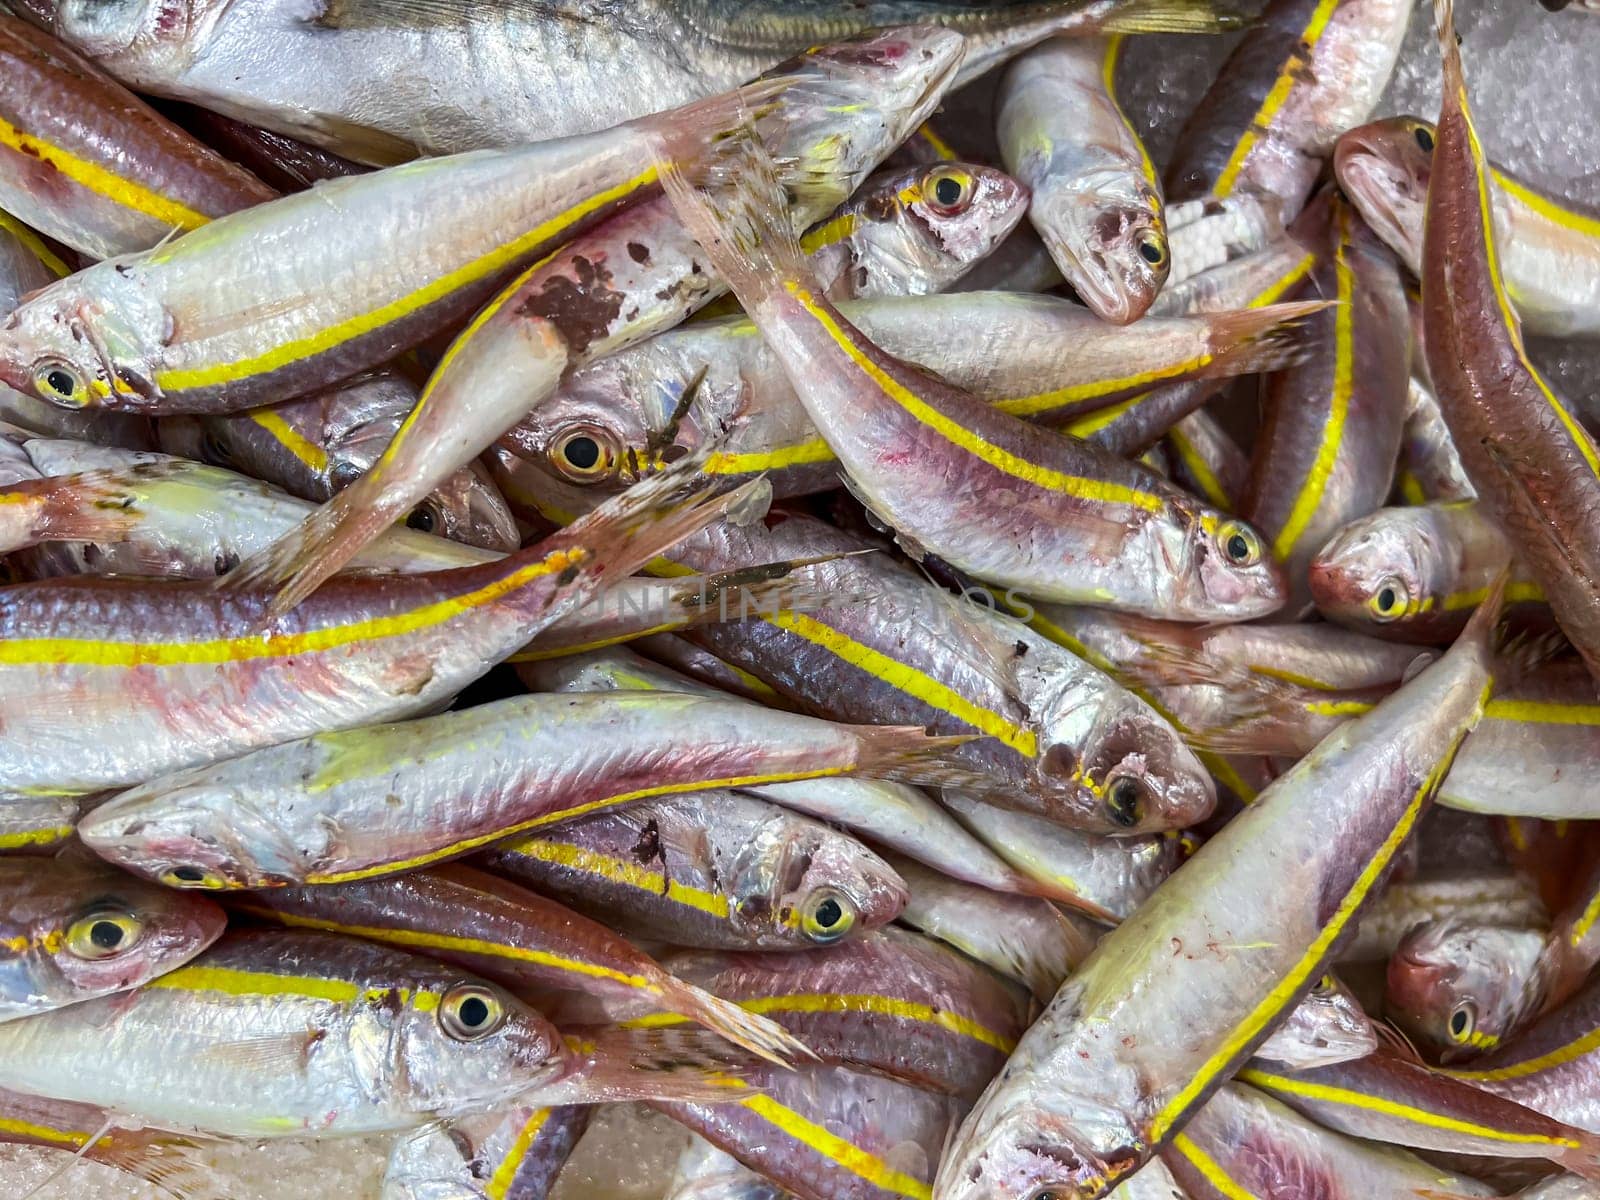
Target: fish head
x,y
86,341
468,508
825,885
1461,988
849,102
600,431
1110,241
1218,567
195,835
463,1044
1146,779
1384,168
92,931
917,231
1328,1026
1378,569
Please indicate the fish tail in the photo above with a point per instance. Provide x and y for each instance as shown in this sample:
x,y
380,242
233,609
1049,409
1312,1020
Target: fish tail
x,y
1251,341
910,754
760,1035
304,558
731,202
1583,1159
1455,85
681,1063
172,1164
91,506
1174,16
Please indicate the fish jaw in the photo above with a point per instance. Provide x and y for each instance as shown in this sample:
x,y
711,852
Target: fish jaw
x,y
1387,180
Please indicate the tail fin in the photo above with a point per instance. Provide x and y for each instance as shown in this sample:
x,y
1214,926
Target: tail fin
x,y
760,1035
1174,16
1583,1159
909,754
1251,341
1455,84
731,202
92,506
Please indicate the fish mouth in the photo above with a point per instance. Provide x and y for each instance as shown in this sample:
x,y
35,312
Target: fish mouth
x,y
1375,184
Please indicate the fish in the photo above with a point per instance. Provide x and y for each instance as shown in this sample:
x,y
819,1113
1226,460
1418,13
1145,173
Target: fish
x,y
914,231
281,1034
74,931
831,1133
1108,877
91,165
1062,740
1306,71
150,333
715,869
1037,357
1385,1098
1414,573
508,934
1328,1026
1549,248
702,1172
380,80
503,1154
1244,1143
1326,451
340,807
1119,1086
1536,469
890,1001
171,674
1096,198
1018,937
317,446
1058,519
843,108
894,815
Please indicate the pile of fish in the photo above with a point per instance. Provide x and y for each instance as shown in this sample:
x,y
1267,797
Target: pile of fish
x,y
578,553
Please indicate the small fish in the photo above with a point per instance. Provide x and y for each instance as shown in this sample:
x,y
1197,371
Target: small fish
x,y
1096,198
1549,248
344,806
1221,951
317,446
1245,1143
282,1034
512,1153
509,934
1536,468
1326,450
72,931
1384,1098
1306,71
1058,519
383,80
712,869
1414,574
894,815
831,1133
94,167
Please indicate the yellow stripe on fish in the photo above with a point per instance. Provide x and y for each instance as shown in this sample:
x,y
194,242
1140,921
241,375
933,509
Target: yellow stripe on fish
x,y
1199,469
1108,76
505,1174
323,340
34,244
309,453
230,981
43,836
1277,96
1210,1170
624,873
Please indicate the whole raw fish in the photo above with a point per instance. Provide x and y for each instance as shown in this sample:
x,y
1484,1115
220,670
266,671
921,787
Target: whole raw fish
x,y
1549,248
713,869
1177,996
1096,199
381,80
72,931
92,166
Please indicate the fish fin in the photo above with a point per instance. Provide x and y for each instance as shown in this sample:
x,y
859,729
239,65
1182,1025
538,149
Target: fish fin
x,y
1584,1159
174,1164
91,506
910,754
1393,1041
281,1054
1444,20
731,202
760,1035
1174,16
679,1063
1252,341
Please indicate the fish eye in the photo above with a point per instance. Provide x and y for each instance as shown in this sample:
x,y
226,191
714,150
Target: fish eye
x,y
948,191
1424,137
585,454
193,877
1463,1021
1239,544
104,932
1152,249
342,474
827,916
60,383
1048,1193
424,518
469,1011
1125,801
214,450
1389,599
